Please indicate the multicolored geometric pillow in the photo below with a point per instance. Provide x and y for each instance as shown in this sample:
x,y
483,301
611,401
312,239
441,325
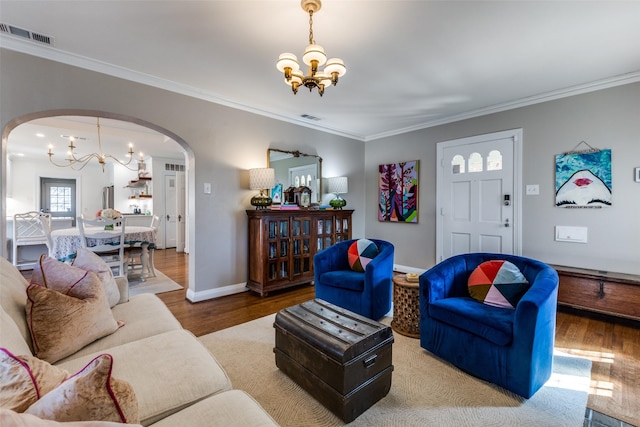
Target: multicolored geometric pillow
x,y
360,253
497,283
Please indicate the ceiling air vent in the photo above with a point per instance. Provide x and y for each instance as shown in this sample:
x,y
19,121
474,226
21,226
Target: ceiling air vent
x,y
26,34
310,117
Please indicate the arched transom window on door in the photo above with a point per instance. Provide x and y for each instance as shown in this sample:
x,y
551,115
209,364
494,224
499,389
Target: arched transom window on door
x,y
457,164
494,161
476,162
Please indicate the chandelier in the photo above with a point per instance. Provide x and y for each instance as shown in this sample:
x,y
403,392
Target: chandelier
x,y
78,163
313,57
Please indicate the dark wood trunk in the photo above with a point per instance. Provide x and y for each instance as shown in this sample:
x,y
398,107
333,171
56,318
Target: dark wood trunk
x,y
342,359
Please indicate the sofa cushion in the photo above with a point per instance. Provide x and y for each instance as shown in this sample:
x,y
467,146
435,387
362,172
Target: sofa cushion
x,y
498,283
168,372
344,279
62,324
143,316
13,319
494,324
231,408
10,418
90,261
90,394
360,253
10,335
25,379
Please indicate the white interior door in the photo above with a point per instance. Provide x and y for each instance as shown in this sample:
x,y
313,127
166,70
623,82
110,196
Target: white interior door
x,y
180,208
478,199
171,211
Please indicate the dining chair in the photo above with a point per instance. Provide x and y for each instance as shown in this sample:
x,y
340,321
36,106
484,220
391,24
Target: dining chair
x,y
139,255
45,221
109,244
155,222
29,229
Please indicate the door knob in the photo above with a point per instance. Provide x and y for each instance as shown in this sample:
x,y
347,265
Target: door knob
x,y
168,217
506,222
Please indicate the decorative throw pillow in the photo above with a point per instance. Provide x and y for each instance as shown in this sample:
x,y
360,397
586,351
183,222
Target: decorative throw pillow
x,y
61,323
360,253
25,379
90,261
497,283
91,394
60,276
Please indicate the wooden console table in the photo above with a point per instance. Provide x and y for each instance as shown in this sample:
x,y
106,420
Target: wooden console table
x,y
282,244
613,294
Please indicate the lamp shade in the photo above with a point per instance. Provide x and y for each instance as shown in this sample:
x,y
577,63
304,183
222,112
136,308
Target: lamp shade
x,y
335,65
261,178
314,52
338,185
287,60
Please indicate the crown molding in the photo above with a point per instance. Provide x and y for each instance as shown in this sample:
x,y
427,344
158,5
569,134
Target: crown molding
x,y
57,55
518,103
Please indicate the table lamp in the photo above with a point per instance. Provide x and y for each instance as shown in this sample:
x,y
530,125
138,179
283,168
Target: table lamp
x,y
261,179
338,185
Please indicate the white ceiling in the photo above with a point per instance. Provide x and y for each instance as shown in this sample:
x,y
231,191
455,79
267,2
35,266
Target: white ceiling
x,y
33,139
410,64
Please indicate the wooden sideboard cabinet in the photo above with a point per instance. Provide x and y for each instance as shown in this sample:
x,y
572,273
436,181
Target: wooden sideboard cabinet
x,y
282,244
613,294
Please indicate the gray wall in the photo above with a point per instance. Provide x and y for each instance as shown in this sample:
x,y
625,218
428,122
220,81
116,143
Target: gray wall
x,y
222,144
604,119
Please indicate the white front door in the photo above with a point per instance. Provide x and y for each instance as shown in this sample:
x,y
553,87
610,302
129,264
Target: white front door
x,y
478,197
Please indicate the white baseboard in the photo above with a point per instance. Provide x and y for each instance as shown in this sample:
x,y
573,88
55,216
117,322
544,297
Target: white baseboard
x,y
406,269
216,293
242,287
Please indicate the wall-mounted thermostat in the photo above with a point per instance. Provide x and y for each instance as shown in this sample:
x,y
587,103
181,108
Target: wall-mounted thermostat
x,y
637,174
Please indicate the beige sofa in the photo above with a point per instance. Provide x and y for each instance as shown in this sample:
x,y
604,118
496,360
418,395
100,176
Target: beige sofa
x,y
177,382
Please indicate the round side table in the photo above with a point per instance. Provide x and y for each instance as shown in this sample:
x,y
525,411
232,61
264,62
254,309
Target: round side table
x,y
406,306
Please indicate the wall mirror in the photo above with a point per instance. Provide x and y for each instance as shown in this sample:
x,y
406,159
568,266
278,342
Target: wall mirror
x,y
294,169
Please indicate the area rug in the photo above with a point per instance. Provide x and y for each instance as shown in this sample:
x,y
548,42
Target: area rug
x,y
425,390
152,285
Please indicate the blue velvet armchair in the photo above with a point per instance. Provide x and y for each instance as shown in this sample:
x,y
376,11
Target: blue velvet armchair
x,y
368,293
510,348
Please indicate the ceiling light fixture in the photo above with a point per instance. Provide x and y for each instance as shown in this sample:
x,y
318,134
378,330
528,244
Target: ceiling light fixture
x,y
78,163
314,57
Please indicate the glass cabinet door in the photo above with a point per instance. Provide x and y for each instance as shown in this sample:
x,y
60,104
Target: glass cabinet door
x,y
278,249
301,239
342,227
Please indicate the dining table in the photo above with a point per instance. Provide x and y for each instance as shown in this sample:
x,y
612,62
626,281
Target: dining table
x,y
66,241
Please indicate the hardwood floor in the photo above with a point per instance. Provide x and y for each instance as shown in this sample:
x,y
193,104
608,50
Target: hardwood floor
x,y
613,348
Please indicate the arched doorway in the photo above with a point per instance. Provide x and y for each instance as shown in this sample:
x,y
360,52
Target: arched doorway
x,y
84,116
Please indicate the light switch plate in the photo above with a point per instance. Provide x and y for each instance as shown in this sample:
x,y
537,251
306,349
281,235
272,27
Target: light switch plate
x,y
533,190
207,188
